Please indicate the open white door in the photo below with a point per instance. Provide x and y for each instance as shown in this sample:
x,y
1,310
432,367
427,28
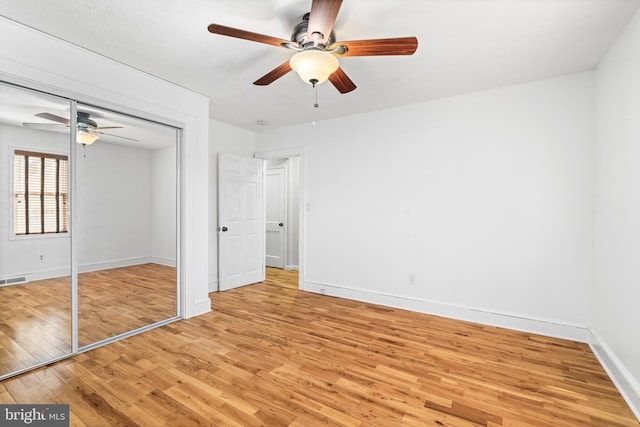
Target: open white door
x,y
275,187
240,221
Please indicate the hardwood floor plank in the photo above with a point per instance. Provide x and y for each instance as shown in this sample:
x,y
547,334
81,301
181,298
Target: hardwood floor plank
x,y
282,278
184,395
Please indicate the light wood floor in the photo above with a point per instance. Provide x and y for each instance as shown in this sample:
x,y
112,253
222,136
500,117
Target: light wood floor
x,y
282,278
118,300
35,322
273,356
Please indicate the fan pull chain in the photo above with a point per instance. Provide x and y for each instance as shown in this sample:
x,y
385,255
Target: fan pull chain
x,y
314,83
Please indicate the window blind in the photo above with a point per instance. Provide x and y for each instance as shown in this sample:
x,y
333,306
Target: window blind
x,y
40,193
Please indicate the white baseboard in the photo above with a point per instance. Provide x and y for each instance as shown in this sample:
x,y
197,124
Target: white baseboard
x,y
48,274
628,386
621,377
200,307
96,266
167,262
127,262
471,314
213,286
292,267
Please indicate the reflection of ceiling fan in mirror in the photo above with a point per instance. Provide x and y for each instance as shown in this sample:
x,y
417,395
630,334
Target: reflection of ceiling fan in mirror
x,y
88,129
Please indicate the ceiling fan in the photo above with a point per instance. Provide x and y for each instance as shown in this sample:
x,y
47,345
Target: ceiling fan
x,y
317,50
88,130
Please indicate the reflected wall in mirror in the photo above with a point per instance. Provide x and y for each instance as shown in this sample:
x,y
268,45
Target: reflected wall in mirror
x,y
126,225
35,248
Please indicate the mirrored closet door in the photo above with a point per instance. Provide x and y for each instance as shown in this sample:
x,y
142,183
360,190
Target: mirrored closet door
x,y
126,224
35,248
88,227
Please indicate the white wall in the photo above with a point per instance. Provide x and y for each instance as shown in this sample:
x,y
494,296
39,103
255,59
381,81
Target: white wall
x,y
113,206
34,59
487,199
223,138
163,206
21,256
616,293
293,213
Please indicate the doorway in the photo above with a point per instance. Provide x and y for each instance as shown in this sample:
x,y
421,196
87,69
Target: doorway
x,y
283,211
241,217
282,219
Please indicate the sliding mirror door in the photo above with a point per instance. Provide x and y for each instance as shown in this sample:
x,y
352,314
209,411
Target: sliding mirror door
x,y
88,229
126,224
35,246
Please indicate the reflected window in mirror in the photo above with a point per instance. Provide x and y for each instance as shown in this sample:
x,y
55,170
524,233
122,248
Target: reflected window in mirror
x,y
40,193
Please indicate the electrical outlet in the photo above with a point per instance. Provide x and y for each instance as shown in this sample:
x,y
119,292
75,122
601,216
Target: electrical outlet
x,y
412,279
41,257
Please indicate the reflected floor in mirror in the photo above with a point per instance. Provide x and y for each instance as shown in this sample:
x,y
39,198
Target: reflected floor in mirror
x,y
111,302
35,324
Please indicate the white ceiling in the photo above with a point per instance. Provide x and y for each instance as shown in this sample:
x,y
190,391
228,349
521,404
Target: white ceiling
x,y
464,46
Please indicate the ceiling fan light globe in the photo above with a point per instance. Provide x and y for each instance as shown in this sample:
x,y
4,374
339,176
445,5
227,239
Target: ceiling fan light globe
x,y
86,138
314,65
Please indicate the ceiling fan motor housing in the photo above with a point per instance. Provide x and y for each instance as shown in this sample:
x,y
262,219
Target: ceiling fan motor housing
x,y
85,122
299,35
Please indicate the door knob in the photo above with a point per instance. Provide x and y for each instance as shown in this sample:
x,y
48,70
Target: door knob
x,y
281,224
224,229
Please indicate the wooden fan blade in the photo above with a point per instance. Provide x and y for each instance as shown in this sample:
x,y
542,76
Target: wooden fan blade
x,y
341,81
321,19
273,75
247,35
53,117
109,127
381,47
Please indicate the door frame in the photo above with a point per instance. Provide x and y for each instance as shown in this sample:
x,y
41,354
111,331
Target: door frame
x,y
301,153
283,199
